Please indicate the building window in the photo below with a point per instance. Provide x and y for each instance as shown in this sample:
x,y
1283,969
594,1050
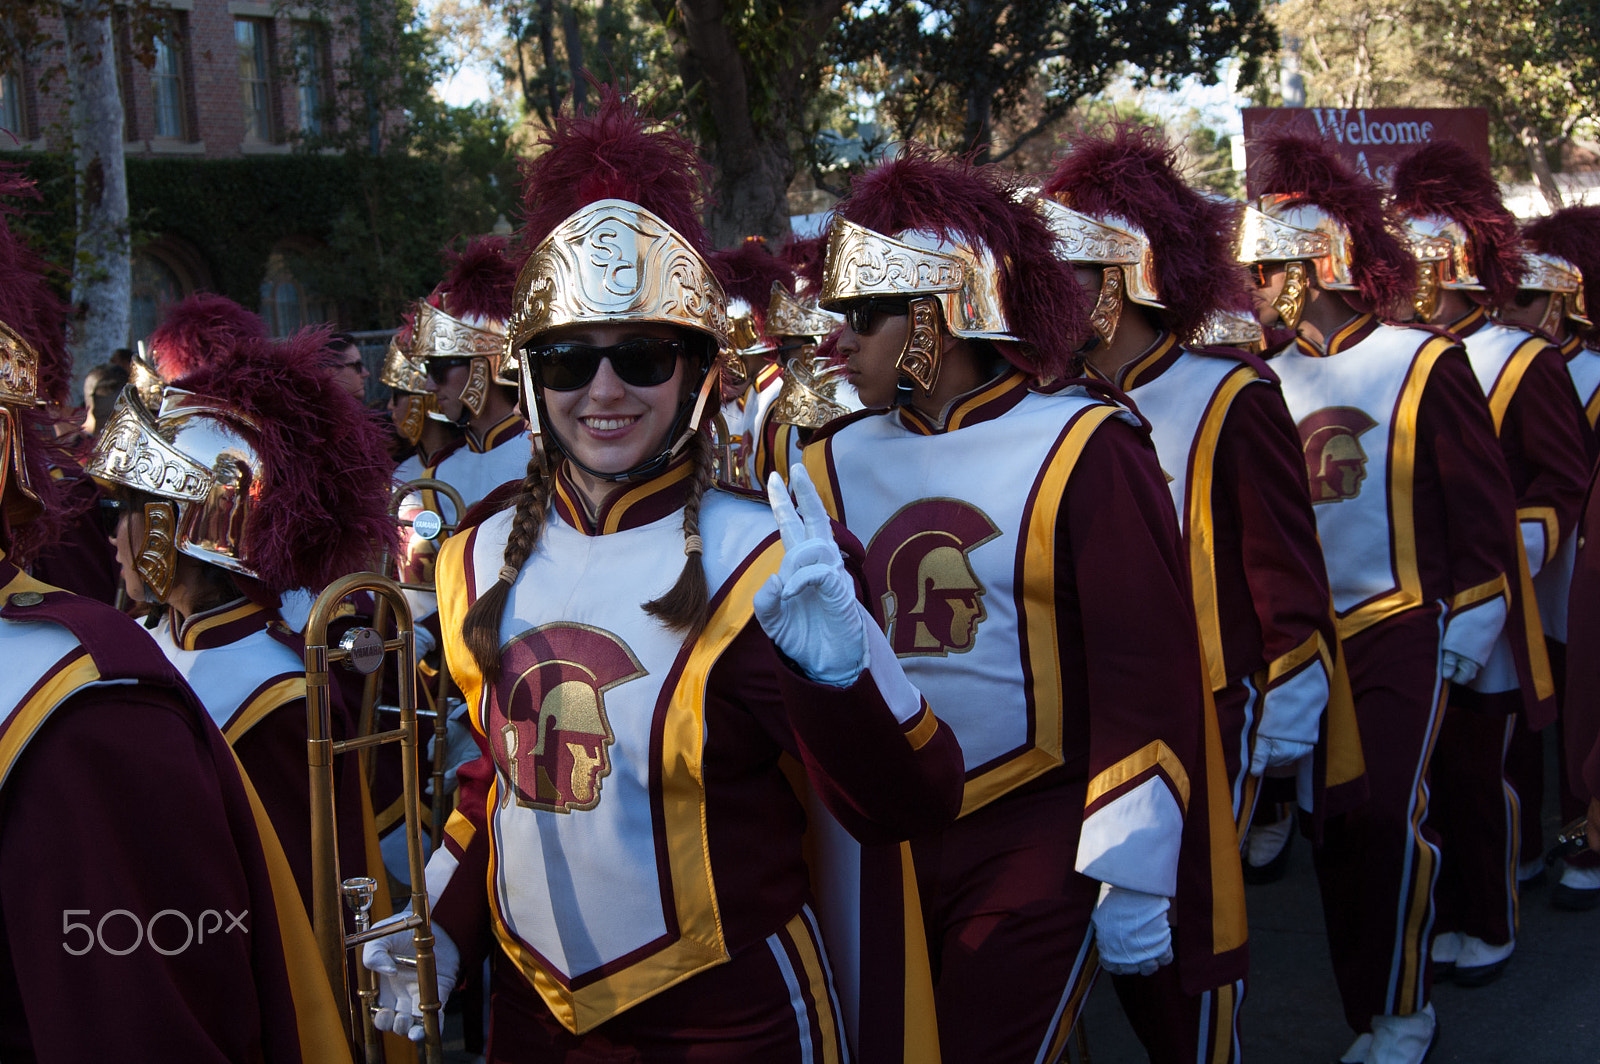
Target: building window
x,y
166,83
255,76
286,303
156,286
13,116
311,73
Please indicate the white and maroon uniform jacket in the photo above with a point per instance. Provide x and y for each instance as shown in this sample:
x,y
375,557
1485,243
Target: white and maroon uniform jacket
x,y
630,823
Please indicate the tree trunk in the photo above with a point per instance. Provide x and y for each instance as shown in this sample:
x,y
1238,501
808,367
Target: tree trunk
x,y
1533,150
753,165
574,39
102,278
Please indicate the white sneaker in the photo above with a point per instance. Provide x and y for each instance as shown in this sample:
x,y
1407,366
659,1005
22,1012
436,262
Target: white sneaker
x,y
1446,947
1530,872
1580,878
1357,1053
1402,1039
1266,841
1578,891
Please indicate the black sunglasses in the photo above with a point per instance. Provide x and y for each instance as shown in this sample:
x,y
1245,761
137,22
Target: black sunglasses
x,y
859,315
642,363
110,512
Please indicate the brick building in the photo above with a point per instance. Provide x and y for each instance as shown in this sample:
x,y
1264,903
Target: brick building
x,y
229,79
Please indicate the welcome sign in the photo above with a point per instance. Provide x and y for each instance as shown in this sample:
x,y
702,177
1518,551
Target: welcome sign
x,y
1371,139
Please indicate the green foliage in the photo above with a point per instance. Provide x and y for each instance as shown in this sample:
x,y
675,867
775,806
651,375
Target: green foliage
x,y
362,231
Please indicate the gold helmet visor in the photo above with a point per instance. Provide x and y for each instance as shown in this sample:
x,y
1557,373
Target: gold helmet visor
x,y
1285,241
788,316
1084,240
1436,238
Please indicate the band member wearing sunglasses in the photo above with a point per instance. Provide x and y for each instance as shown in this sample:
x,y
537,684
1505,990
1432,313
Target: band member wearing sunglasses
x,y
629,846
236,492
1160,258
1413,506
127,830
747,273
1023,554
1480,801
1559,295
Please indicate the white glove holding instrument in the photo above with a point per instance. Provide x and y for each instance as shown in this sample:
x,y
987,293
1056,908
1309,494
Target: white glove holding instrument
x,y
1131,931
399,1007
1457,668
809,607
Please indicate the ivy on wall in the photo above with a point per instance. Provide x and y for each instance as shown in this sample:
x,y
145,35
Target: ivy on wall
x,y
365,231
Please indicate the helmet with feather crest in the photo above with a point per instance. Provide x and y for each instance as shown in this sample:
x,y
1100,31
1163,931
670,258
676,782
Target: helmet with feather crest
x,y
612,215
1565,247
747,271
256,463
198,330
35,369
969,251
1117,201
464,318
1460,229
1315,209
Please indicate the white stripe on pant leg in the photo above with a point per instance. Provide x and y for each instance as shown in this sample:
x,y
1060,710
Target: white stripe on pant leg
x,y
797,999
1203,1042
1066,994
1513,810
810,919
1419,786
1252,700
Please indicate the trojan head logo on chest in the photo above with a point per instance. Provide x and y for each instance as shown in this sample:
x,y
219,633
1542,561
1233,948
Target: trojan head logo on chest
x,y
932,602
547,720
1335,463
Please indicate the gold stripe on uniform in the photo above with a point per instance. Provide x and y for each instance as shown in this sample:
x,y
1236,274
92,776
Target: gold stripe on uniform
x,y
255,711
816,981
1154,754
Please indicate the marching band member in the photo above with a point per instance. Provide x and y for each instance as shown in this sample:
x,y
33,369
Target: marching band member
x,y
1412,502
1022,553
256,477
120,803
1450,201
1557,296
747,273
814,391
1159,258
629,846
425,432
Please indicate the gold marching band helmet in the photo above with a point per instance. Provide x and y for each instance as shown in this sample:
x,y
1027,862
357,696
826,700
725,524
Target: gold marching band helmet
x,y
409,376
948,278
483,340
1118,247
1294,234
1231,328
198,458
1436,257
1543,272
19,390
615,261
809,396
144,378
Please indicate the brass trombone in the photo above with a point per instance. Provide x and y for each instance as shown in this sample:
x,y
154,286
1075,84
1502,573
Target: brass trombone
x,y
364,650
369,695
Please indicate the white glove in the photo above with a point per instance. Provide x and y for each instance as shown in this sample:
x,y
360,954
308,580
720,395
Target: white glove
x,y
809,608
1131,931
399,1009
459,748
1275,753
1456,668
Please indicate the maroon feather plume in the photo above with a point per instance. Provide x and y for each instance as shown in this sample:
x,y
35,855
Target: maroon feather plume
x,y
1383,270
39,317
481,280
322,508
613,153
1444,178
807,257
1127,171
199,330
1573,233
746,271
923,189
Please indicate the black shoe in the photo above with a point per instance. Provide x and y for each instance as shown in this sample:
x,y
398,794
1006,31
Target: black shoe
x,y
1538,879
1273,870
1570,899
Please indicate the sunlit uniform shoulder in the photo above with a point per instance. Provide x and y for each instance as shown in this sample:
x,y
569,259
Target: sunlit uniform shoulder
x,y
236,665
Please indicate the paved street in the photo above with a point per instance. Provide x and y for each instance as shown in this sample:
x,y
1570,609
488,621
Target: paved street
x,y
1545,1008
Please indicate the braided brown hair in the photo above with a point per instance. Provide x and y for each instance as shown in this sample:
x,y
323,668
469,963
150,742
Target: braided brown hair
x,y
684,607
480,629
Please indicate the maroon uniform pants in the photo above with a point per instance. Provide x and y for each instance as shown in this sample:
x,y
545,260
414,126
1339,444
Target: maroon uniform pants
x,y
1476,815
1377,863
1008,925
767,1005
